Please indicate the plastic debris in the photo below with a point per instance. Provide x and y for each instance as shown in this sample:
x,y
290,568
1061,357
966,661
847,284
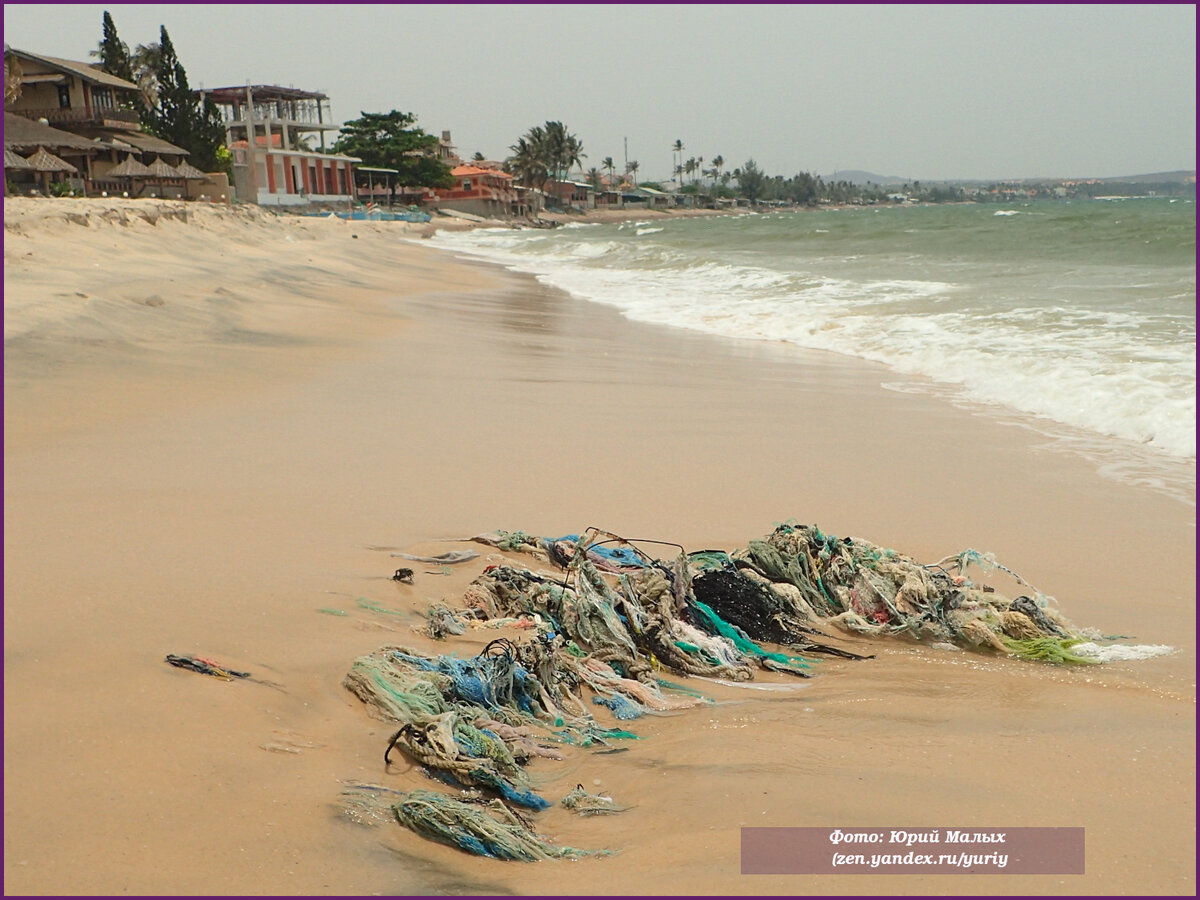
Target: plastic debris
x,y
491,830
205,667
451,558
587,804
604,631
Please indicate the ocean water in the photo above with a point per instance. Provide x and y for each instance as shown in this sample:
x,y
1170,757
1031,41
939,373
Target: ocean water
x,y
1073,314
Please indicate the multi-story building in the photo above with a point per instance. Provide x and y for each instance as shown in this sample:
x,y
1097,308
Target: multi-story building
x,y
271,132
86,102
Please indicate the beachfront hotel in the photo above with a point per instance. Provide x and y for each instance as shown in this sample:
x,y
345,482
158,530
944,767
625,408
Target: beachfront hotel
x,y
70,118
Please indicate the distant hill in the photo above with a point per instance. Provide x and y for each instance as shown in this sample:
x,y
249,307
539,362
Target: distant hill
x,y
1179,176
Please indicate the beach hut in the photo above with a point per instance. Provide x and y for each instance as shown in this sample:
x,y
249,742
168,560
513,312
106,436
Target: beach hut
x,y
46,164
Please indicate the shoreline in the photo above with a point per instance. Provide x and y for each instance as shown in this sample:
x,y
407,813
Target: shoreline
x,y
211,486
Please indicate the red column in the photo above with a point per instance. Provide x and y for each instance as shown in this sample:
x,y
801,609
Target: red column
x,y
270,173
304,176
288,178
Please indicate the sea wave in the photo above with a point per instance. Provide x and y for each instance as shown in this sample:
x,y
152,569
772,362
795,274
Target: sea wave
x,y
1084,361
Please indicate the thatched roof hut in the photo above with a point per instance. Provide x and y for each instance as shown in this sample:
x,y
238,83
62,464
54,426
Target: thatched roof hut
x,y
130,168
45,161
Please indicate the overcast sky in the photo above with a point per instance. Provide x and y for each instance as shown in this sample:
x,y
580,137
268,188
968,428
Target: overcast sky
x,y
923,92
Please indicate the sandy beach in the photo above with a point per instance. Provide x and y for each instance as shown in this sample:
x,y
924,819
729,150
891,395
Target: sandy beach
x,y
213,416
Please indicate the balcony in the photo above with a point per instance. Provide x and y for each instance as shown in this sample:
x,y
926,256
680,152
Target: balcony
x,y
105,118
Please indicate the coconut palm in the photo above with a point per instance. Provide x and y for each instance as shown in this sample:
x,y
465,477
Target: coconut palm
x,y
12,78
631,167
147,59
608,165
677,148
528,163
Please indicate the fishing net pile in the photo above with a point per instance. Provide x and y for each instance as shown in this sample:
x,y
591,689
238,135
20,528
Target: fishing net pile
x,y
794,586
604,630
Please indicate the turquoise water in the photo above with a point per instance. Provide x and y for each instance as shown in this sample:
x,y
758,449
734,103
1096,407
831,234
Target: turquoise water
x,y
1080,314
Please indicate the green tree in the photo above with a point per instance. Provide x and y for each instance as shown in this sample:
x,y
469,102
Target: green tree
x,y
179,116
528,162
593,177
632,167
751,181
115,59
390,141
145,74
545,152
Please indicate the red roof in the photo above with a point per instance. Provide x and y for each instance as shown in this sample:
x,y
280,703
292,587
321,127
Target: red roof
x,y
461,171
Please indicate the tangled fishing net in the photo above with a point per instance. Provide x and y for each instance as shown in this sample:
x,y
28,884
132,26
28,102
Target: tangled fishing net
x,y
604,631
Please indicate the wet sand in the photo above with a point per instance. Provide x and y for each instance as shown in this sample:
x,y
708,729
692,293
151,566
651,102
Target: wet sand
x,y
205,472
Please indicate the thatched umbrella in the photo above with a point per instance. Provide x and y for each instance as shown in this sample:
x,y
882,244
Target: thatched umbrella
x,y
161,171
130,168
13,161
44,163
189,172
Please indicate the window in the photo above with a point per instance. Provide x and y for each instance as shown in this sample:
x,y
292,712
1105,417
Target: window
x,y
64,96
466,184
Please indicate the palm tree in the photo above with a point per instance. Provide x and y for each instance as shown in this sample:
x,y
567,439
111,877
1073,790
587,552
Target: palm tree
x,y
718,161
528,161
632,167
573,154
700,166
593,177
146,62
12,78
690,166
607,165
677,147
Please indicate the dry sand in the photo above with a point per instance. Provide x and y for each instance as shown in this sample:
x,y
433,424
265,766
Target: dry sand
x,y
209,422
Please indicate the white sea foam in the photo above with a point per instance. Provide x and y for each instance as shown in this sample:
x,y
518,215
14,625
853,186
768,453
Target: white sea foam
x,y
642,231
1120,652
1007,212
1077,359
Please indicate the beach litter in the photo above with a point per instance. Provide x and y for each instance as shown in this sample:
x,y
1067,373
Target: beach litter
x,y
603,630
454,557
205,666
491,829
587,804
